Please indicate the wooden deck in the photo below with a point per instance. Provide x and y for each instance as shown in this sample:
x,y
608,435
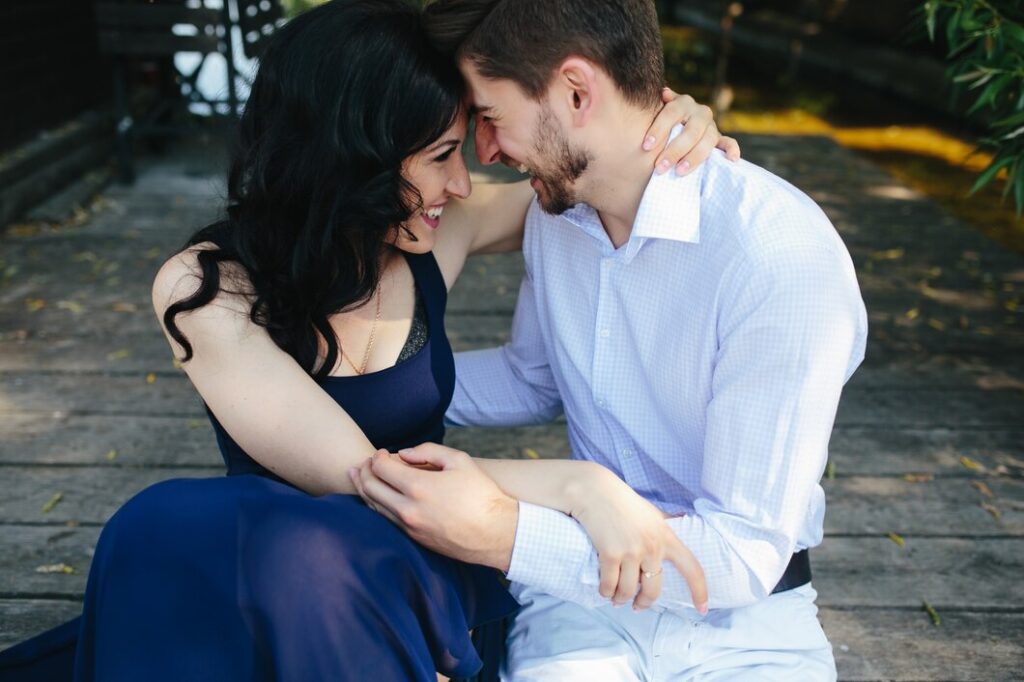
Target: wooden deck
x,y
925,491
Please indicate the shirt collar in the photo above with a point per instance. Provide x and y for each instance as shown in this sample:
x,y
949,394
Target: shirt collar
x,y
669,207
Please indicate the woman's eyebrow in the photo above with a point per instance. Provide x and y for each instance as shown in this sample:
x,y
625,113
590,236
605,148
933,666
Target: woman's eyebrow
x,y
453,141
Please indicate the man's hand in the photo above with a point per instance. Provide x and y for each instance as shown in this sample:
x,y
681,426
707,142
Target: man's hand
x,y
698,139
455,510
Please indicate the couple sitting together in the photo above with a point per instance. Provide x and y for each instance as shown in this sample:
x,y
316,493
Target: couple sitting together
x,y
695,325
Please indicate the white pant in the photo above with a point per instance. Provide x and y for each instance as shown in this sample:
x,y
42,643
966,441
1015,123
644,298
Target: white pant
x,y
778,638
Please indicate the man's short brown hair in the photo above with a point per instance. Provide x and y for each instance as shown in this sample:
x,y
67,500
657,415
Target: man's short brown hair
x,y
526,40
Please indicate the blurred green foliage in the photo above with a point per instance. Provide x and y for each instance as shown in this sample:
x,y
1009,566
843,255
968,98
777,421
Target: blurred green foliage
x,y
293,7
985,39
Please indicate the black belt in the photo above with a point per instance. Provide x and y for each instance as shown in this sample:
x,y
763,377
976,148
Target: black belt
x,y
797,573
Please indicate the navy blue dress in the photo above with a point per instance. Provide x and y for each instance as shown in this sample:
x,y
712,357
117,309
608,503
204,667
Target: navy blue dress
x,y
245,577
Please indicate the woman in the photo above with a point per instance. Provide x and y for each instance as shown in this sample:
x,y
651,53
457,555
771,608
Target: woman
x,y
310,320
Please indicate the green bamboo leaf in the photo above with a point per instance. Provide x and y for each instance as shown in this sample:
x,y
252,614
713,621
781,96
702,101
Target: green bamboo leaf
x,y
970,75
930,8
1018,192
1012,32
1009,177
989,173
988,95
951,30
1009,121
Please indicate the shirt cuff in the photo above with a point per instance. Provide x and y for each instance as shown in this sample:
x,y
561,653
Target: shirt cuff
x,y
550,550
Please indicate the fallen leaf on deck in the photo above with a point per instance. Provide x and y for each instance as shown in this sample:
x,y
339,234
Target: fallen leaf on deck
x,y
23,230
898,539
830,471
150,378
176,363
52,502
531,453
83,256
153,253
912,314
111,455
985,331
124,307
195,423
55,568
935,324
991,509
983,489
932,613
888,254
118,355
71,306
969,463
34,304
917,478
999,381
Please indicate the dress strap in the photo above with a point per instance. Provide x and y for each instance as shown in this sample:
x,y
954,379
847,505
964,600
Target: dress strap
x,y
429,279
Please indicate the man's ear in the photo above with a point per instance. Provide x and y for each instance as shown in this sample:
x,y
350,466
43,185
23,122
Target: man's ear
x,y
577,86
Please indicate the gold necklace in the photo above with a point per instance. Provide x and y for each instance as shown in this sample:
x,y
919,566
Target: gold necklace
x,y
373,332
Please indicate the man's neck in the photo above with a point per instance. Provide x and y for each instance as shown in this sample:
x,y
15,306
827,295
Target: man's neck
x,y
620,175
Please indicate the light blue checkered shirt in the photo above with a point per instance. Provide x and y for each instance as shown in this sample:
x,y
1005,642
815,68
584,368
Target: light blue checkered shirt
x,y
702,362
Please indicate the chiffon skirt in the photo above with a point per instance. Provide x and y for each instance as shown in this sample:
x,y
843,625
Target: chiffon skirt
x,y
246,578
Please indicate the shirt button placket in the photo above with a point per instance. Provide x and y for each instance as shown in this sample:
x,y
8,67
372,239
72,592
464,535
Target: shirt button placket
x,y
602,346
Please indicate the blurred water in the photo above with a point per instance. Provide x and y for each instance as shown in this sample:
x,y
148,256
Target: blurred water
x,y
213,80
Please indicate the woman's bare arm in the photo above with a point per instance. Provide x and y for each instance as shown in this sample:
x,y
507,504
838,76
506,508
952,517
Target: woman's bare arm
x,y
261,396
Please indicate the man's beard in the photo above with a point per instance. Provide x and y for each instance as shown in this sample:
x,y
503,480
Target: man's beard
x,y
550,144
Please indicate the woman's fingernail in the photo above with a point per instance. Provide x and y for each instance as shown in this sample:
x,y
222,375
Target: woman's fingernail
x,y
703,608
649,143
664,165
683,168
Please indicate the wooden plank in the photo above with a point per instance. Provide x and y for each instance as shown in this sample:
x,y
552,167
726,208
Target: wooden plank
x,y
869,645
872,506
88,494
24,618
875,645
949,573
42,439
26,549
895,452
876,505
172,394
875,573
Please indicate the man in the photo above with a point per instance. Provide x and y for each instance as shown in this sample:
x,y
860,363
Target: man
x,y
696,330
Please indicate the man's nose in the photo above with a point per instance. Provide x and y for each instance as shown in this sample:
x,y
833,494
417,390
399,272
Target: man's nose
x,y
486,142
459,184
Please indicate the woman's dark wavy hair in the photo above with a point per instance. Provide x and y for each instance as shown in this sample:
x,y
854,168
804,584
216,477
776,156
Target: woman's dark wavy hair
x,y
345,92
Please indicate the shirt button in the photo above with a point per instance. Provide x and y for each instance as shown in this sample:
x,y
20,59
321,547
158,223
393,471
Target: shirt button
x,y
600,402
626,452
605,333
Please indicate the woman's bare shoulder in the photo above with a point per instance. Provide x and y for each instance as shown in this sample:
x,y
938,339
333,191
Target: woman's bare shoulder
x,y
182,274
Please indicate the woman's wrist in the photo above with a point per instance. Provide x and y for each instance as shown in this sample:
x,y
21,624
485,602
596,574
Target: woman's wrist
x,y
583,486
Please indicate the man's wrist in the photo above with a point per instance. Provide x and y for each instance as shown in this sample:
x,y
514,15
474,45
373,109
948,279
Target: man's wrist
x,y
504,522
